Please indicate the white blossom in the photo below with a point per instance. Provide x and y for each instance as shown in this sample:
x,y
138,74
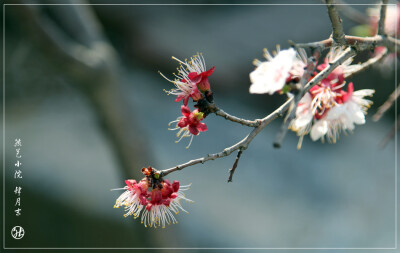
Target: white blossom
x,y
270,76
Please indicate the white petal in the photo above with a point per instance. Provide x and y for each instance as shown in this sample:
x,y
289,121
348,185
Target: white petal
x,y
363,93
355,112
258,88
319,129
302,121
304,113
359,117
270,76
336,112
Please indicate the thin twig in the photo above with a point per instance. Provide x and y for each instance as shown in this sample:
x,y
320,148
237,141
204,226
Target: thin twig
x,y
367,64
337,28
245,122
241,144
382,16
389,102
235,164
244,143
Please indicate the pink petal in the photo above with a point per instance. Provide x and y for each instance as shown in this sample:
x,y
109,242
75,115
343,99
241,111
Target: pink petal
x,y
327,82
208,72
349,93
183,122
130,183
186,100
194,77
143,200
179,98
156,196
166,191
315,87
196,94
185,110
166,202
350,88
202,127
175,185
193,130
322,66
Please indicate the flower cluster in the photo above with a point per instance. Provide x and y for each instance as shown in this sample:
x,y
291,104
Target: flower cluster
x,y
327,108
154,198
191,82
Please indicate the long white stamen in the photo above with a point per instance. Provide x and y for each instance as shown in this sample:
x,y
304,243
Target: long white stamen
x,y
190,142
118,189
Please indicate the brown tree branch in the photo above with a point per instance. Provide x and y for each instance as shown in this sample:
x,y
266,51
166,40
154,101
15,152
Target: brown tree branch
x,y
245,122
337,28
382,16
389,102
365,65
359,43
235,164
243,144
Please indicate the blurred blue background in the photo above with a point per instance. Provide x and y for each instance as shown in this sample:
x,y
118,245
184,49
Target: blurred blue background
x,y
84,95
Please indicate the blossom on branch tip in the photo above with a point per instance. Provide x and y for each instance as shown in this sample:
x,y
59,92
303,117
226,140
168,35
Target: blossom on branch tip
x,y
184,90
327,109
189,124
191,80
154,198
271,76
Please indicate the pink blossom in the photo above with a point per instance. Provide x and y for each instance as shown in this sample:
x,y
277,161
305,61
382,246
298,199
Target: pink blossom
x,y
328,109
154,198
134,198
201,79
191,80
189,124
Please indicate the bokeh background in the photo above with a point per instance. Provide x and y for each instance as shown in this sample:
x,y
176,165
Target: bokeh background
x,y
83,93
